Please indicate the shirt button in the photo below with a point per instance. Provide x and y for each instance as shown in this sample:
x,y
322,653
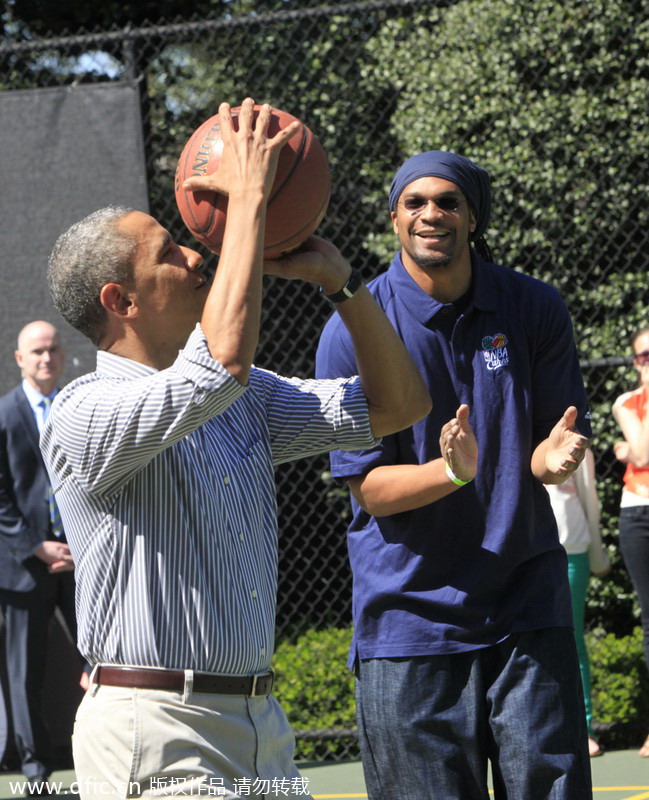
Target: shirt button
x,y
226,480
199,397
241,537
254,593
262,651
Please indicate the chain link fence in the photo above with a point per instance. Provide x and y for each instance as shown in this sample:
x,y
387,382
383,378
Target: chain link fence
x,y
328,65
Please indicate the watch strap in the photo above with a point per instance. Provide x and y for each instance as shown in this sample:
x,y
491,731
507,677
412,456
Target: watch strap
x,y
354,283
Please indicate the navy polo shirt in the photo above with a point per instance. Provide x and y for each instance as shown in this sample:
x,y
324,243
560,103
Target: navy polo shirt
x,y
485,561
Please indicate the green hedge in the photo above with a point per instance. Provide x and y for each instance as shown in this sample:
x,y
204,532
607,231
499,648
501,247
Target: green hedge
x,y
316,690
620,687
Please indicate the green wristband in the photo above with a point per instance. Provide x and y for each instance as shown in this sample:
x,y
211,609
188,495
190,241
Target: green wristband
x,y
452,477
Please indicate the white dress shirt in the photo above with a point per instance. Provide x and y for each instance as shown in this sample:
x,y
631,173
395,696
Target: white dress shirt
x,y
165,481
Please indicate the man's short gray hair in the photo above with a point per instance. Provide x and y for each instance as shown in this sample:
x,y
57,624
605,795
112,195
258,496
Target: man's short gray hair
x,y
90,254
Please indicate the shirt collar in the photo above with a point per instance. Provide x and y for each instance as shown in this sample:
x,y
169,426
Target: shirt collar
x,y
423,307
34,396
114,366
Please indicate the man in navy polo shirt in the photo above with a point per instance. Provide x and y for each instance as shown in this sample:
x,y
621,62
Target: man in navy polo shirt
x,y
463,647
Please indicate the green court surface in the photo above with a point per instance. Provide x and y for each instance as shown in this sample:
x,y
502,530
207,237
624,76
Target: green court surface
x,y
617,775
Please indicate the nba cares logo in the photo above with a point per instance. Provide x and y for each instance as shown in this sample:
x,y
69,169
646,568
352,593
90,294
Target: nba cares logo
x,y
494,350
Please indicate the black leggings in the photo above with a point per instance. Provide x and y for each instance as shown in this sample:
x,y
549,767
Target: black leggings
x,y
634,544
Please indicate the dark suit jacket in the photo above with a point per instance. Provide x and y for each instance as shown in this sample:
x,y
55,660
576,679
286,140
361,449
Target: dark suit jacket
x,y
24,494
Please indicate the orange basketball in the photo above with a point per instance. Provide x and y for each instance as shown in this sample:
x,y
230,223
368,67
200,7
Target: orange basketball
x,y
298,199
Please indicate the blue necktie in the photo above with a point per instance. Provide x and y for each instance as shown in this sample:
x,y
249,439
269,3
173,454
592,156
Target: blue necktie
x,y
55,516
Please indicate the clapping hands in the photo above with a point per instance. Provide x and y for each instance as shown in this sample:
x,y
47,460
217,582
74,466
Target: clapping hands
x,y
458,445
566,447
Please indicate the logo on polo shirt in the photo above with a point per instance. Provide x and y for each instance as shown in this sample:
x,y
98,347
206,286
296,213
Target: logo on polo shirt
x,y
494,350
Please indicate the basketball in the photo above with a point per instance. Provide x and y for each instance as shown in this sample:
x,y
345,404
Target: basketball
x,y
298,198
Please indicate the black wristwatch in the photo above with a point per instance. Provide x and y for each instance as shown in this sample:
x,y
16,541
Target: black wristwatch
x,y
353,284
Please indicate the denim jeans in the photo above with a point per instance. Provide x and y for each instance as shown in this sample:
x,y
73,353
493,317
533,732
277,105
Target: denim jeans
x,y
429,725
634,545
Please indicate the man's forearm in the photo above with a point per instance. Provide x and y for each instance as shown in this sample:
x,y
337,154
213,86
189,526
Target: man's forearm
x,y
396,394
232,311
392,489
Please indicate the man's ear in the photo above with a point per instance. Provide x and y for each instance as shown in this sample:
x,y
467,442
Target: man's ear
x,y
473,220
116,299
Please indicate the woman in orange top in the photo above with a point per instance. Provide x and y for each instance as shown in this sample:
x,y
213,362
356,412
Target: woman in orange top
x,y
631,410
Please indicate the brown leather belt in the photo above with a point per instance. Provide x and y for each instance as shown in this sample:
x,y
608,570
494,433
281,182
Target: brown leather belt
x,y
174,680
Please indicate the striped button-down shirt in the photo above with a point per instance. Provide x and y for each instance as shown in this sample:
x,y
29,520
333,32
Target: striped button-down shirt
x,y
165,481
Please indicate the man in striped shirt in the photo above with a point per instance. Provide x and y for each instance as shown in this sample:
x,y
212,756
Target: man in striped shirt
x,y
162,463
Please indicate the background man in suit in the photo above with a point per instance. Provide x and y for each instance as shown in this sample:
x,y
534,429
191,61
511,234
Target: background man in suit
x,y
36,567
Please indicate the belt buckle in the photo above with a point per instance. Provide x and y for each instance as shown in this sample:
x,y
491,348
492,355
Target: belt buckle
x,y
255,680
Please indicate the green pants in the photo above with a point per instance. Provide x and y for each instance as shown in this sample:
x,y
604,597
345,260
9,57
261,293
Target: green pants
x,y
579,575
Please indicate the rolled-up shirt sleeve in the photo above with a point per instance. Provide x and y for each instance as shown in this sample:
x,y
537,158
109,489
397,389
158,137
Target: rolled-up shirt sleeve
x,y
307,417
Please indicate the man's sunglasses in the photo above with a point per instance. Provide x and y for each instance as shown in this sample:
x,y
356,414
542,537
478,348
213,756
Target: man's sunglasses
x,y
415,205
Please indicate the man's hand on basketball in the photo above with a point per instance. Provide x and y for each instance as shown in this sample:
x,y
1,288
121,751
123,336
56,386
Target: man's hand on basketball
x,y
566,447
316,261
249,159
458,445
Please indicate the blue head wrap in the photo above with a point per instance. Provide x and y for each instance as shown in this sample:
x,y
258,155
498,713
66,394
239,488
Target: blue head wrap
x,y
469,177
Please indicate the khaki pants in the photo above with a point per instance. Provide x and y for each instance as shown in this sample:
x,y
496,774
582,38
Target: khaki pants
x,y
146,743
